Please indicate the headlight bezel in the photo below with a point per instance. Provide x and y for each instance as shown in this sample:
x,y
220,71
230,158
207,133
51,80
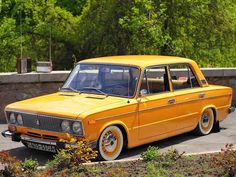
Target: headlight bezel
x,y
21,122
66,123
80,129
71,124
12,118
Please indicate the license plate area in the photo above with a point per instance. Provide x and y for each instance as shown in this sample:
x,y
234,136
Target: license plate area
x,y
41,147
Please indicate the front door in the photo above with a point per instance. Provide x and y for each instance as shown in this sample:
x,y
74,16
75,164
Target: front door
x,y
157,107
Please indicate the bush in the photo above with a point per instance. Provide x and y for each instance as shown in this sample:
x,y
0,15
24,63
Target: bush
x,y
226,160
76,153
12,166
29,164
150,154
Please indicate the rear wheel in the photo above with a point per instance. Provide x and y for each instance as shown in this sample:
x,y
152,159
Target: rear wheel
x,y
110,143
206,122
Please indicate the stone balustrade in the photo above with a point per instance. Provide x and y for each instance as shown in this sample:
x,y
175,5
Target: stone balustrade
x,y
16,87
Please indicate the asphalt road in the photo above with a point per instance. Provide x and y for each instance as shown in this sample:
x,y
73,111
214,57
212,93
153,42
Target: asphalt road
x,y
188,143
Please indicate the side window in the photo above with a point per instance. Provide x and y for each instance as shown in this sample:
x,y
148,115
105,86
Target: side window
x,y
183,77
155,80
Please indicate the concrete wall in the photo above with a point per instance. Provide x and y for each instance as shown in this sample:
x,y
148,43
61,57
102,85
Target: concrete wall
x,y
15,87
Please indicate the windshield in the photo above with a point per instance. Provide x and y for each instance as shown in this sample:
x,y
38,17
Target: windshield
x,y
103,79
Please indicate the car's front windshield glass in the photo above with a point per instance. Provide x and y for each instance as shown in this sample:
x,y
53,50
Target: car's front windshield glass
x,y
116,80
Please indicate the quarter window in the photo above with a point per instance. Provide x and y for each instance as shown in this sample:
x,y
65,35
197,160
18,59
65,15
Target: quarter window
x,y
155,80
182,77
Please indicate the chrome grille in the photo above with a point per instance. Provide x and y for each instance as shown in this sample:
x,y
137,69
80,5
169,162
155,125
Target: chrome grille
x,y
41,122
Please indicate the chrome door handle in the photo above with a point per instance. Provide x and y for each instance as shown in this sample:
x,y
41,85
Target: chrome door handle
x,y
201,95
171,101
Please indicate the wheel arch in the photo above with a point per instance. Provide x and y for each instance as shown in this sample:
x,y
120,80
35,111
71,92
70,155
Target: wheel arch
x,y
214,109
121,126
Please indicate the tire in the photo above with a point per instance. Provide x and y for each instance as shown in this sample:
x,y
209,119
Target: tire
x,y
110,143
205,123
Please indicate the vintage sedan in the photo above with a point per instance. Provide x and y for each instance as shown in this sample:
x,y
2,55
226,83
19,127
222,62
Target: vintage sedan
x,y
121,102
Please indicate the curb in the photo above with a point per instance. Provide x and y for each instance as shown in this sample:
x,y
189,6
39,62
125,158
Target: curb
x,y
137,159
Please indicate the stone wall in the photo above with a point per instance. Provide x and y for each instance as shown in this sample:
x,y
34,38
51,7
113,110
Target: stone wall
x,y
15,87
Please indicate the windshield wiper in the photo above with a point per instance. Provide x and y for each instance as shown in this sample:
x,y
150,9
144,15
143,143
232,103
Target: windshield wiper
x,y
93,88
69,89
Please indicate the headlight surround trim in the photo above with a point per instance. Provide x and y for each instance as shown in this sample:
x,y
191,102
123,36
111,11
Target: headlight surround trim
x,y
12,118
66,126
19,119
77,128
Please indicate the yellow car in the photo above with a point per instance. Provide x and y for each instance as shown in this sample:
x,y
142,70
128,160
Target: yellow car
x,y
121,102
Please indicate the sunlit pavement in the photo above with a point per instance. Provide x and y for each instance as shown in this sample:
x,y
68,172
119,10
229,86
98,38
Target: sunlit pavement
x,y
188,143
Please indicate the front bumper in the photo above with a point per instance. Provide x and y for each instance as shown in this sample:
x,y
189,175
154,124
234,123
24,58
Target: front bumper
x,y
231,109
59,145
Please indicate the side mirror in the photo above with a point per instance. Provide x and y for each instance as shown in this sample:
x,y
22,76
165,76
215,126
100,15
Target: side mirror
x,y
143,92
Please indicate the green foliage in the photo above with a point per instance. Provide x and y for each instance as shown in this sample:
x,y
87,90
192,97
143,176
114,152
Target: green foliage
x,y
153,171
75,153
29,164
202,30
150,154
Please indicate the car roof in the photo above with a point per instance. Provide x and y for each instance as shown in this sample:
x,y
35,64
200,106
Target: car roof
x,y
138,60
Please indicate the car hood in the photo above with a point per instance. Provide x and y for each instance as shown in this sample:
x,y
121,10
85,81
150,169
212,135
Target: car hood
x,y
63,104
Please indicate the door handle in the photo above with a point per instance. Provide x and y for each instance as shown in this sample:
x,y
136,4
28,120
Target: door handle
x,y
171,101
201,95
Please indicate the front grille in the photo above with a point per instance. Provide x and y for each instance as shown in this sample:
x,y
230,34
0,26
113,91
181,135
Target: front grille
x,y
41,122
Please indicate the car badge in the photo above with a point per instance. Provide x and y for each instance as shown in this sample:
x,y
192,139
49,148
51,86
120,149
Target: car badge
x,y
37,122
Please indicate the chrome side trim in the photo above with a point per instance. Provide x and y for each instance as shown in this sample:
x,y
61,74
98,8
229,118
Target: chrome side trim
x,y
117,115
157,107
188,101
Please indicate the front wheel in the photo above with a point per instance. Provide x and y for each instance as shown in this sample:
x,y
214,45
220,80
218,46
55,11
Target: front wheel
x,y
110,143
206,122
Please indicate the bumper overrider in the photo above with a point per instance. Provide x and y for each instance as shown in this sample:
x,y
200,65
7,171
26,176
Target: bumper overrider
x,y
231,109
39,144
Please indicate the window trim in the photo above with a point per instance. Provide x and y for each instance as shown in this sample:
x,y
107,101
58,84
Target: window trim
x,y
166,67
125,65
193,72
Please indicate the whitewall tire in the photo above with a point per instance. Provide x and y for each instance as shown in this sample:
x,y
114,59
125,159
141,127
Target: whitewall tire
x,y
110,143
206,122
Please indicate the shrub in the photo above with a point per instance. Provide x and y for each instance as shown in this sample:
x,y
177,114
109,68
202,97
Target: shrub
x,y
226,160
150,154
12,166
75,153
29,164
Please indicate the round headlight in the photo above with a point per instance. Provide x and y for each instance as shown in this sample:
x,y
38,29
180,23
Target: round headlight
x,y
19,119
12,118
77,128
65,126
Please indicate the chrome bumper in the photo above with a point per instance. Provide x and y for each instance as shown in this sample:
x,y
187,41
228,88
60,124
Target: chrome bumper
x,y
6,134
231,109
17,137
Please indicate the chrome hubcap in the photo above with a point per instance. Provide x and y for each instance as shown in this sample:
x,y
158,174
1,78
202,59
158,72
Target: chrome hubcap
x,y
205,120
110,142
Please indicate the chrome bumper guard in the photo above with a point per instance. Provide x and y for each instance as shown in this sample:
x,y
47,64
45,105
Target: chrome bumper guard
x,y
17,137
231,109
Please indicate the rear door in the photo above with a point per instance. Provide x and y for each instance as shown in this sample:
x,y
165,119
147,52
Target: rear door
x,y
188,94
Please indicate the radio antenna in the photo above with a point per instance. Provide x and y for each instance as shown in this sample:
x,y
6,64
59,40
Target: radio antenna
x,y
50,42
128,84
21,41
